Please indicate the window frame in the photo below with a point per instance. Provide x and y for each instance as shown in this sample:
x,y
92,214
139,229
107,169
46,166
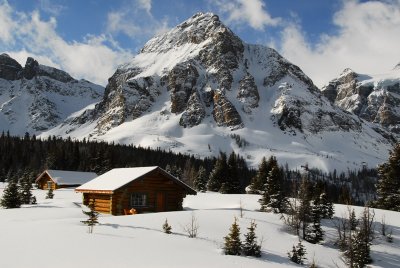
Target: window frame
x,y
144,196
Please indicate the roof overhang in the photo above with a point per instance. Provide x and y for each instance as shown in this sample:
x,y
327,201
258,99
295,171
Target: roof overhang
x,y
94,191
41,175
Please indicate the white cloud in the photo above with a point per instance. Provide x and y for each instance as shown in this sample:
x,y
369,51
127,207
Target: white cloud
x,y
6,22
51,7
145,4
117,22
251,12
133,22
95,58
367,41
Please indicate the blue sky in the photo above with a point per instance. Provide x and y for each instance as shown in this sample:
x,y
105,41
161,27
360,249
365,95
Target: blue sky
x,y
322,37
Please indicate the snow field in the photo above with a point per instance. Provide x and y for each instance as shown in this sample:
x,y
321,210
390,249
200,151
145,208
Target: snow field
x,y
50,234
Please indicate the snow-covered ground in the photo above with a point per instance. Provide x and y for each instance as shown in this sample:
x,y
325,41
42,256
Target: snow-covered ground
x,y
50,234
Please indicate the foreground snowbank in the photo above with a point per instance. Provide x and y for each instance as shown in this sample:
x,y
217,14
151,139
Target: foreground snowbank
x,y
50,235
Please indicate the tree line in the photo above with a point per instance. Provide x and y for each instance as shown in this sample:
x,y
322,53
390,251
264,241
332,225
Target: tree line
x,y
226,173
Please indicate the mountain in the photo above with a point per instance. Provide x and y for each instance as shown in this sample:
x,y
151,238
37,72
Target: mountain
x,y
375,98
36,97
200,89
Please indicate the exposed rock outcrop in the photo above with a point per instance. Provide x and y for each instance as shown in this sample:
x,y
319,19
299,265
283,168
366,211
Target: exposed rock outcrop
x,y
182,80
9,68
194,112
225,113
376,100
248,93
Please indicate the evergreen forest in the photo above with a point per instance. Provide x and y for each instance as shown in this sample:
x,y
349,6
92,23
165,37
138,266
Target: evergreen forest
x,y
28,156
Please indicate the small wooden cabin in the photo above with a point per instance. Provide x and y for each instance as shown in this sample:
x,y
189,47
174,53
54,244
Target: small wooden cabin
x,y
56,179
145,189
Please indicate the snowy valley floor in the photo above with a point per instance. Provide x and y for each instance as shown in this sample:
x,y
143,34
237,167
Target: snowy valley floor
x,y
50,234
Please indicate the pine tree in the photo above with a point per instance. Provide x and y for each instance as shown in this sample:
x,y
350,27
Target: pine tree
x,y
297,255
357,253
257,182
233,245
232,183
10,197
388,186
273,198
50,194
200,181
250,246
327,209
314,233
166,227
93,217
25,190
219,174
353,222
304,206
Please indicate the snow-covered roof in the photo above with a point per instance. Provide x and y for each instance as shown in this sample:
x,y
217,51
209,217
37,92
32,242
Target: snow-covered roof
x,y
118,177
65,177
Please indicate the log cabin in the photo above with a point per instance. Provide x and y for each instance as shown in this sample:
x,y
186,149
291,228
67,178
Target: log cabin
x,y
140,189
56,179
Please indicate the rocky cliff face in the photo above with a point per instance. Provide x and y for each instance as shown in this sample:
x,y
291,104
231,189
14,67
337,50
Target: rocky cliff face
x,y
197,60
35,98
10,69
373,98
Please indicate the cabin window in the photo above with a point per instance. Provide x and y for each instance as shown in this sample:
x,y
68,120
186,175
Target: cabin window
x,y
49,184
138,200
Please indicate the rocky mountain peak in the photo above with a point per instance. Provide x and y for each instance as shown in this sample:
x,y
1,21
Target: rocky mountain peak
x,y
31,68
9,68
198,88
36,97
348,75
199,28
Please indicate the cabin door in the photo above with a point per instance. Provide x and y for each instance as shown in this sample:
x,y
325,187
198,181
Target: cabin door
x,y
160,206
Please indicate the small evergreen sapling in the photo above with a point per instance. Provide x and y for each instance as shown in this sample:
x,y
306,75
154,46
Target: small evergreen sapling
x,y
297,255
11,197
250,246
389,237
50,194
233,245
93,217
166,227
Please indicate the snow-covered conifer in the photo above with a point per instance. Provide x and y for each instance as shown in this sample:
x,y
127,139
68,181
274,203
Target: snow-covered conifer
x,y
11,197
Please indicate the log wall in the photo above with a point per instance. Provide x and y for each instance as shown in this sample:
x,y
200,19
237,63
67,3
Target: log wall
x,y
102,202
150,185
42,183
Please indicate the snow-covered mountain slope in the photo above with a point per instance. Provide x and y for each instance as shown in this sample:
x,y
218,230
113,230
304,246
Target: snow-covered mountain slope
x,y
37,97
375,98
200,89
